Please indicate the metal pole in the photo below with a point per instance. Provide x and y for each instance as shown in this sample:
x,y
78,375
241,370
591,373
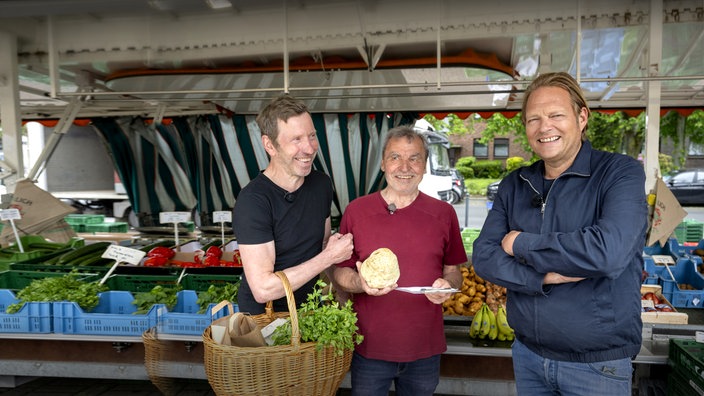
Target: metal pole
x,y
466,210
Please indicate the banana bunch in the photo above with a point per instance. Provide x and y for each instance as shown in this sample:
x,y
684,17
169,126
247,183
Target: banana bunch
x,y
486,324
505,331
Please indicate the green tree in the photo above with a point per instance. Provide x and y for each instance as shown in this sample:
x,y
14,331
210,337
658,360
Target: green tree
x,y
604,131
617,132
452,124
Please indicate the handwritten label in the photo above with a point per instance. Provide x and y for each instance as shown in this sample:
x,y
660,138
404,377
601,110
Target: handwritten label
x,y
662,259
222,216
122,254
10,214
174,217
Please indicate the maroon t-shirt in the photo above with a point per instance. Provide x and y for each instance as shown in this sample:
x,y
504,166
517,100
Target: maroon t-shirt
x,y
425,236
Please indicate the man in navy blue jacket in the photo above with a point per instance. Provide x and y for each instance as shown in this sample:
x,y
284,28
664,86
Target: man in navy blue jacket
x,y
565,236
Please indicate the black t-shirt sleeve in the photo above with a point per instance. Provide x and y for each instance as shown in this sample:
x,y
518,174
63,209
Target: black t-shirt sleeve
x,y
252,219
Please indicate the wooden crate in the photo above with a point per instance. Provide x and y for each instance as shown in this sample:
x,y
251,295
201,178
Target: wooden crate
x,y
661,317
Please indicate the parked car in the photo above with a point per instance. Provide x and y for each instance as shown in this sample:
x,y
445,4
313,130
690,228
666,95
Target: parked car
x,y
688,186
491,190
459,190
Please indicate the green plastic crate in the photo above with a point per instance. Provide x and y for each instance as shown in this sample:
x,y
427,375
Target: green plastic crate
x,y
84,219
18,280
468,237
117,226
686,357
679,385
689,230
201,282
140,283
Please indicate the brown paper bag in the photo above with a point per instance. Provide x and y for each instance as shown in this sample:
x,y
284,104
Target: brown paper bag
x,y
244,331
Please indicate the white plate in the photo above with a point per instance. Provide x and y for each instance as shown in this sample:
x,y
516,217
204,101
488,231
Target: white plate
x,y
426,289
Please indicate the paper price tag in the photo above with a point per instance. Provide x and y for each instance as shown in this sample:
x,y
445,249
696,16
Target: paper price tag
x,y
122,254
647,304
222,216
174,217
662,259
10,214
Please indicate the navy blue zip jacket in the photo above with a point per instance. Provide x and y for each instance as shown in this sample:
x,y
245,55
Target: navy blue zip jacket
x,y
591,223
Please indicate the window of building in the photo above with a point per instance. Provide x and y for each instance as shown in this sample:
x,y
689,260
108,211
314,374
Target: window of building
x,y
480,149
696,149
500,148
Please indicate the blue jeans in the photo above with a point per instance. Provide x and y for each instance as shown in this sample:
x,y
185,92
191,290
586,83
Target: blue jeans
x,y
537,376
370,377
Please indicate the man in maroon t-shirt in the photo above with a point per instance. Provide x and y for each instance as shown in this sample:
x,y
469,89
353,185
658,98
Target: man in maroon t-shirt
x,y
403,332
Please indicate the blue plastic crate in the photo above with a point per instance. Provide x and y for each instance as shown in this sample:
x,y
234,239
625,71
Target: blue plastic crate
x,y
33,317
688,250
114,315
672,247
184,318
685,272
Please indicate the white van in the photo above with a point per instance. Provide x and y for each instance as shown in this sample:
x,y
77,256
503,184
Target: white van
x,y
437,180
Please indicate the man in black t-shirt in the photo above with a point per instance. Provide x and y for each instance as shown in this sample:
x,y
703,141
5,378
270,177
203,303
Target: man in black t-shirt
x,y
282,217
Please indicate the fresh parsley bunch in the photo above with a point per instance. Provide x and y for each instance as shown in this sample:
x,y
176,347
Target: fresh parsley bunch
x,y
69,287
323,320
217,293
159,294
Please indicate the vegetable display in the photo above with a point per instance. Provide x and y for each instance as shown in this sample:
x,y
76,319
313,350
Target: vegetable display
x,y
474,292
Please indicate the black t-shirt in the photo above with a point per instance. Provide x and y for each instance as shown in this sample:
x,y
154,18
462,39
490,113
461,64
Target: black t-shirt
x,y
295,221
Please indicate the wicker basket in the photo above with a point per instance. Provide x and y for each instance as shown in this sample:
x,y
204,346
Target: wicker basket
x,y
296,369
154,352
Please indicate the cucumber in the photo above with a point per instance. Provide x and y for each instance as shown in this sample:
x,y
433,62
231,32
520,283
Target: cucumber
x,y
94,260
70,257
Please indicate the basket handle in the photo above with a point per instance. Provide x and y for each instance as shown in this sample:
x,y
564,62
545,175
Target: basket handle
x,y
293,313
222,304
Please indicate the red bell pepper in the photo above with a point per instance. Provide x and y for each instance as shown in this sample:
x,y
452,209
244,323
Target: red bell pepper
x,y
211,261
214,251
161,251
156,261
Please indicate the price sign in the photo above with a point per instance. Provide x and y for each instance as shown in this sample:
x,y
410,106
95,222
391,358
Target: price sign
x,y
222,216
174,217
123,254
10,214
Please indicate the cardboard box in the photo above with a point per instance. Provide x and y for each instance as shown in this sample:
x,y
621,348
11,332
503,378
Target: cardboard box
x,y
41,214
673,317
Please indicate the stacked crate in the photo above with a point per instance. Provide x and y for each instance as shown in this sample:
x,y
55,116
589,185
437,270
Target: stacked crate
x,y
686,357
689,231
468,237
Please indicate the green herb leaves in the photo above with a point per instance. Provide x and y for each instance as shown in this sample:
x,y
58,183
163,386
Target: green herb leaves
x,y
68,287
323,320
